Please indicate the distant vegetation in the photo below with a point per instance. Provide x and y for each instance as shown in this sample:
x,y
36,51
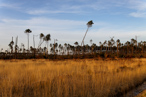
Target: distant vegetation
x,y
107,49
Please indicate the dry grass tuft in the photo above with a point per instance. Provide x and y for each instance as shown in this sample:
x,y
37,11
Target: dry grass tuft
x,y
69,78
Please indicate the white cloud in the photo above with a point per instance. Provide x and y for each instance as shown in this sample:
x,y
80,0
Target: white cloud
x,y
12,6
138,14
138,4
39,12
43,22
79,8
140,8
87,6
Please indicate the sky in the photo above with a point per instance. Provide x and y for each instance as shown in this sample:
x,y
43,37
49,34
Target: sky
x,y
65,20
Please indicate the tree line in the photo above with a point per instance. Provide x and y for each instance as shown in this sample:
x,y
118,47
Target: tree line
x,y
111,48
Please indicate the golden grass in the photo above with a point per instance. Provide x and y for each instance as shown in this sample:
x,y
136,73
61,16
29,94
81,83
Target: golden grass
x,y
69,78
143,94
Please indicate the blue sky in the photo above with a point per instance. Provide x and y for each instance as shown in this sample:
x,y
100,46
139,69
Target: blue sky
x,y
66,20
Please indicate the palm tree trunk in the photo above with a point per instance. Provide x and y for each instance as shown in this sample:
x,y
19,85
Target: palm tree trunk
x,y
84,37
100,49
33,42
132,50
106,48
68,52
127,49
47,47
142,50
39,43
28,41
117,50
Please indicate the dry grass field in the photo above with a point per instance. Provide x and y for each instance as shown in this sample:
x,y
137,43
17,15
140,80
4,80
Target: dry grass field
x,y
69,78
143,94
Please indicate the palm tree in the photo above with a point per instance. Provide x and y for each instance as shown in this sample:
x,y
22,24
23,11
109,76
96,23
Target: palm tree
x,y
47,39
22,47
127,45
1,49
51,45
27,31
133,42
105,44
118,41
91,41
140,45
76,43
89,24
31,49
60,48
68,48
73,49
109,45
65,48
101,46
87,48
52,50
93,48
112,43
41,39
144,44
55,46
11,45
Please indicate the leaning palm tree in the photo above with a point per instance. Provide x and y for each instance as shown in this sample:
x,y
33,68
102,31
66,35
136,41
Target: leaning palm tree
x,y
27,31
41,39
89,24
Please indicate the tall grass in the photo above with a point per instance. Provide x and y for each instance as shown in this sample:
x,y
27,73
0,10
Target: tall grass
x,y
69,78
